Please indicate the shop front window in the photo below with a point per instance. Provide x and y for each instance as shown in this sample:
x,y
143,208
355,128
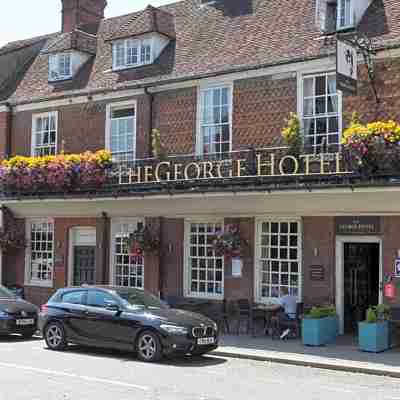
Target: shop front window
x,y
279,258
128,269
205,268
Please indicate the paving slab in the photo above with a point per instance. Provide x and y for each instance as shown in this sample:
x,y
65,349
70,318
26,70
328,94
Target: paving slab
x,y
341,356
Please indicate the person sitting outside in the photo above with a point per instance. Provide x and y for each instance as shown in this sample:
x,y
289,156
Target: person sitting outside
x,y
288,304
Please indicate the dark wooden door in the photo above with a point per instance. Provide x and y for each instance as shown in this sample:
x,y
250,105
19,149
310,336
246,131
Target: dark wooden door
x,y
84,265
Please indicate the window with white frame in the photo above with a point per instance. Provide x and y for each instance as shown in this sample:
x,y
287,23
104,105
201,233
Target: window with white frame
x,y
128,269
41,254
122,132
345,13
44,134
60,66
205,268
280,260
215,120
132,53
321,112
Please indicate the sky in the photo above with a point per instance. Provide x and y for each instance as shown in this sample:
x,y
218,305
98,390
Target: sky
x,y
23,19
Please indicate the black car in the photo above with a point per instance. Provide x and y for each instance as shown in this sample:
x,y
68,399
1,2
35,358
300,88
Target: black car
x,y
125,319
17,315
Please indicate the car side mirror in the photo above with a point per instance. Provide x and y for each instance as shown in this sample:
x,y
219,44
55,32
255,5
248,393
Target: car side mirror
x,y
112,306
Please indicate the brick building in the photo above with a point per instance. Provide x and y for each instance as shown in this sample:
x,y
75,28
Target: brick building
x,y
218,79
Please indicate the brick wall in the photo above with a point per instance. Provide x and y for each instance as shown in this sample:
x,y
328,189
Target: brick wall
x,y
388,88
81,127
243,287
174,114
261,107
319,249
172,231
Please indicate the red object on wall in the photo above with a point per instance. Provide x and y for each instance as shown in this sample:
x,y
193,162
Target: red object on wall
x,y
389,290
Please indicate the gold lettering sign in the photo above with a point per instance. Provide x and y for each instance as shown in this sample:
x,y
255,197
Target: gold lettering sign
x,y
264,164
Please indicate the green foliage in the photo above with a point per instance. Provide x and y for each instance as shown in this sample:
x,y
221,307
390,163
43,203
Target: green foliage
x,y
321,312
156,144
292,135
378,313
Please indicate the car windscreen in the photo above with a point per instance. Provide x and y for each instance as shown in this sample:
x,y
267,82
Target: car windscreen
x,y
5,293
135,298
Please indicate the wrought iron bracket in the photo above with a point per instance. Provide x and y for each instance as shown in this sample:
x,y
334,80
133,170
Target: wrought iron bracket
x,y
365,46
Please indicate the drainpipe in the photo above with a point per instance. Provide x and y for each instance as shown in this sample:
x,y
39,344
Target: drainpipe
x,y
104,248
149,144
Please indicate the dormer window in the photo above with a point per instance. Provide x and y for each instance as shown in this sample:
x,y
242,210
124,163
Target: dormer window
x,y
60,67
130,53
345,14
334,15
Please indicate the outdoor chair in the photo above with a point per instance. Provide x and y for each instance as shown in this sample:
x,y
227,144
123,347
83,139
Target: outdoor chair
x,y
295,324
247,313
219,314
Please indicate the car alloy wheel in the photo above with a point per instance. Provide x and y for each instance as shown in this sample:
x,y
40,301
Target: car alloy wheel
x,y
149,347
55,337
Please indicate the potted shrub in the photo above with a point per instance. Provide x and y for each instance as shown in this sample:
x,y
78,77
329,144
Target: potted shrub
x,y
373,333
320,326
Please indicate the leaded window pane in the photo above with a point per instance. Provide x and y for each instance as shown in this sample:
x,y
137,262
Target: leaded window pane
x,y
206,269
279,243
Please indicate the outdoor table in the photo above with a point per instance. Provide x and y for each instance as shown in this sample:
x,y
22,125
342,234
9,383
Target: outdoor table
x,y
270,312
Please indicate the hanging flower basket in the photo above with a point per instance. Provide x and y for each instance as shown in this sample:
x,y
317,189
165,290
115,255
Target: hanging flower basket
x,y
143,240
229,242
12,237
373,148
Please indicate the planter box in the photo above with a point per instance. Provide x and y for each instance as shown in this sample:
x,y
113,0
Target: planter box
x,y
318,332
373,337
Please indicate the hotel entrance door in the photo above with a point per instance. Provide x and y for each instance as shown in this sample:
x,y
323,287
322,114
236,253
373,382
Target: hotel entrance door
x,y
361,281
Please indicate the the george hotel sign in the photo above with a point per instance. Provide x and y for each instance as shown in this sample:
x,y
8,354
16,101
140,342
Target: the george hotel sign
x,y
262,164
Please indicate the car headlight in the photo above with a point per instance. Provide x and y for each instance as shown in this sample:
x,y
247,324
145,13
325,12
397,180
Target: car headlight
x,y
215,326
3,314
174,329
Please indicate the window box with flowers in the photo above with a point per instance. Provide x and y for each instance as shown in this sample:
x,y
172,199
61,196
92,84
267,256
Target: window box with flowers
x,y
55,173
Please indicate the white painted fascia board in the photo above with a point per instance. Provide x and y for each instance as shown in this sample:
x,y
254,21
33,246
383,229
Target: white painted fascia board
x,y
78,100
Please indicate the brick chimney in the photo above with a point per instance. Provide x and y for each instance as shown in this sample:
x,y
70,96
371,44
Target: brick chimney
x,y
78,12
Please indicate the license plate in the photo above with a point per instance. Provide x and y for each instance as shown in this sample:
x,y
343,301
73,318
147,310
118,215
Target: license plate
x,y
205,341
24,322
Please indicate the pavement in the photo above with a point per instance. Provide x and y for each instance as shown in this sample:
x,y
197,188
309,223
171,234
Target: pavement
x,y
29,371
344,355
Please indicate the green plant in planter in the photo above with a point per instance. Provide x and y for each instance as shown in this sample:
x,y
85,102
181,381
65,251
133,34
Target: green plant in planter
x,y
292,135
374,332
321,312
320,326
378,313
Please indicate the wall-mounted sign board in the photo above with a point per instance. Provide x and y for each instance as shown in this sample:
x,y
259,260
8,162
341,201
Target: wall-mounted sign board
x,y
358,226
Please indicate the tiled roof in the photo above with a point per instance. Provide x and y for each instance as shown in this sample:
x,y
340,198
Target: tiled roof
x,y
20,44
75,40
149,20
232,35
